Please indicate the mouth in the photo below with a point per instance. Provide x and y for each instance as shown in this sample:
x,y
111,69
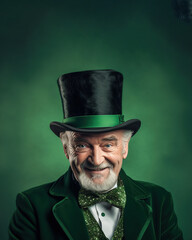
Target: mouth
x,y
96,170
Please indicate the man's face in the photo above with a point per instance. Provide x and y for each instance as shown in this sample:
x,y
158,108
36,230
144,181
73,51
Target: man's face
x,y
96,158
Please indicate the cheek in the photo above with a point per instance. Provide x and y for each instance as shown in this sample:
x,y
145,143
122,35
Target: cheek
x,y
117,161
117,167
117,156
77,159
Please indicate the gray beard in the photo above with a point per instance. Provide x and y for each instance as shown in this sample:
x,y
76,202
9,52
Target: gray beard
x,y
88,184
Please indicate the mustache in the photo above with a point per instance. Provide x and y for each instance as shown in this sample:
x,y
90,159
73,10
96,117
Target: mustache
x,y
88,165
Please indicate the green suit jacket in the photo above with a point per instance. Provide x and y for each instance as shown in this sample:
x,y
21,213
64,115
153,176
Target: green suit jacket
x,y
51,212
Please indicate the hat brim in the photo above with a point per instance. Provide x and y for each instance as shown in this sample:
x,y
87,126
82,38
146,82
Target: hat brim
x,y
132,124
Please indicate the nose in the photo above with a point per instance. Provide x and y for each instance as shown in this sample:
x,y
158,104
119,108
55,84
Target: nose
x,y
97,156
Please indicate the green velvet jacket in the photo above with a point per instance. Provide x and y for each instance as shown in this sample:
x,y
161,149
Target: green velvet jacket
x,y
51,212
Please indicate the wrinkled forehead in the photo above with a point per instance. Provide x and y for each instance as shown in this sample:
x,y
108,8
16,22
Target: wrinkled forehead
x,y
113,135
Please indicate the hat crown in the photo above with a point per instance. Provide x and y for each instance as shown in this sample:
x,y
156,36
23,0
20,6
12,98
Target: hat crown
x,y
96,92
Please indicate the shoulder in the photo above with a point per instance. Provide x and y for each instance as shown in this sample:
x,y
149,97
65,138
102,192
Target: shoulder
x,y
160,197
154,189
38,195
38,191
154,195
143,188
32,198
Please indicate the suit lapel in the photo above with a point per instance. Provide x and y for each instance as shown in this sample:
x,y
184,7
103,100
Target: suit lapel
x,y
138,211
67,212
137,217
70,218
137,214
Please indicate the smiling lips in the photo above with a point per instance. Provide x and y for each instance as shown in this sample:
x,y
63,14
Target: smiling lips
x,y
99,169
96,170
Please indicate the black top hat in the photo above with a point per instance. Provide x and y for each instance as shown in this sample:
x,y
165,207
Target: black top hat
x,y
92,102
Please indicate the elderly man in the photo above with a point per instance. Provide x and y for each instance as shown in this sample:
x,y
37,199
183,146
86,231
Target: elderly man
x,y
94,199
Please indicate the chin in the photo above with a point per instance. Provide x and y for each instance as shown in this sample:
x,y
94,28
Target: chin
x,y
97,179
97,182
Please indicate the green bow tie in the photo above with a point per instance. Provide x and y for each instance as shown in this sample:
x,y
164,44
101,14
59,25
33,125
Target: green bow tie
x,y
116,197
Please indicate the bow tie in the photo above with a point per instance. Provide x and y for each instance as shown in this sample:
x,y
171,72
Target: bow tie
x,y
116,197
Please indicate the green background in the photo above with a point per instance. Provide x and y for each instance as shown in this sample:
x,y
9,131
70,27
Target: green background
x,y
40,40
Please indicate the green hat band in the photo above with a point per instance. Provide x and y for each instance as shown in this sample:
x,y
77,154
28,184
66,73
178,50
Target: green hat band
x,y
94,121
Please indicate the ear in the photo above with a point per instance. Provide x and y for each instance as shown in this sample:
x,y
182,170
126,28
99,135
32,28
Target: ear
x,y
65,151
126,148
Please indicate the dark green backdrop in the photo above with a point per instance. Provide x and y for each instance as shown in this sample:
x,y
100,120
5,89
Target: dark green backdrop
x,y
144,40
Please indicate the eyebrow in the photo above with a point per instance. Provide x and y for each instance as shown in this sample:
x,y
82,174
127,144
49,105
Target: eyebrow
x,y
80,139
107,139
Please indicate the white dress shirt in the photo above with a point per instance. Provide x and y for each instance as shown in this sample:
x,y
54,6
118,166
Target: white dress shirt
x,y
107,216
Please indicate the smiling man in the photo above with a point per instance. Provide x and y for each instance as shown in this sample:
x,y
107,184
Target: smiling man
x,y
96,159
94,199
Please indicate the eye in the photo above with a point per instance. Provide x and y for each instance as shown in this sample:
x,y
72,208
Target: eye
x,y
81,146
108,145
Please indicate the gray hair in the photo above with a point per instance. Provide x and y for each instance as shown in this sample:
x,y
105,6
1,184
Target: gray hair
x,y
127,134
64,137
